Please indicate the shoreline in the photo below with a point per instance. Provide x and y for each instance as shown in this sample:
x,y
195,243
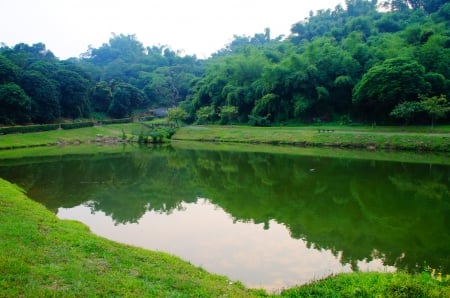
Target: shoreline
x,y
43,255
318,137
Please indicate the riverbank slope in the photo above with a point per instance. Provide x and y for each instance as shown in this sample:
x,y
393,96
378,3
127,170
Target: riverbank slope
x,y
44,256
418,139
386,138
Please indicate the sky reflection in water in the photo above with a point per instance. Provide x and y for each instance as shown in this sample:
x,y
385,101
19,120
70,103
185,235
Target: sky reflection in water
x,y
206,236
268,220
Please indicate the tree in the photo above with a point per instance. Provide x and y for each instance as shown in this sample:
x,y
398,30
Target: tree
x,y
205,114
176,115
436,107
101,97
386,85
15,105
126,98
227,113
74,94
44,93
127,47
7,70
406,110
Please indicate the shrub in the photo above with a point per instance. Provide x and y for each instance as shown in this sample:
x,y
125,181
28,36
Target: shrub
x,y
117,121
28,128
76,125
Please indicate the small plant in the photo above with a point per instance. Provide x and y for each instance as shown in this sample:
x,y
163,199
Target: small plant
x,y
170,132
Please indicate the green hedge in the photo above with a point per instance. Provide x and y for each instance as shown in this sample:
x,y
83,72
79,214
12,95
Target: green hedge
x,y
147,118
28,128
76,125
43,127
116,121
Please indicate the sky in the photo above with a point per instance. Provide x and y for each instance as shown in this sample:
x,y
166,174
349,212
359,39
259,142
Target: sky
x,y
193,27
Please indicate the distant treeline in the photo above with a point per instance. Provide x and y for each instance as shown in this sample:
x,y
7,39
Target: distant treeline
x,y
370,62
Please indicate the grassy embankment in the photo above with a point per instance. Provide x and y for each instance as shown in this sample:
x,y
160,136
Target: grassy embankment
x,y
107,134
62,137
391,138
43,256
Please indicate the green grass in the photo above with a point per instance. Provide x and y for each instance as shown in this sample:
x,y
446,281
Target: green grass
x,y
71,136
55,137
397,285
390,138
395,138
42,256
397,156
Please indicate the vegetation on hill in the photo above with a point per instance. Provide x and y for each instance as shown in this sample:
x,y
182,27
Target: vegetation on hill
x,y
383,62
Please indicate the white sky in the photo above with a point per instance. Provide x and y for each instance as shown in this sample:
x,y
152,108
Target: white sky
x,y
200,27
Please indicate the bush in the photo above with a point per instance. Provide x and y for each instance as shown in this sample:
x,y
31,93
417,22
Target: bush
x,y
76,125
28,128
116,121
256,120
146,118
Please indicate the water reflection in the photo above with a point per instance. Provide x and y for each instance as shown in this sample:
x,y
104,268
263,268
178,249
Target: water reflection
x,y
206,236
270,219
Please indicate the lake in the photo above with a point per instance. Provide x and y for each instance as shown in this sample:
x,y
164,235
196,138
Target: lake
x,y
269,220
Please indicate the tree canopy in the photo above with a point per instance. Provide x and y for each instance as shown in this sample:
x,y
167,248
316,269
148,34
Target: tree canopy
x,y
358,63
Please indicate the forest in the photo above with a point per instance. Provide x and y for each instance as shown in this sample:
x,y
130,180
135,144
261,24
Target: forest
x,y
370,62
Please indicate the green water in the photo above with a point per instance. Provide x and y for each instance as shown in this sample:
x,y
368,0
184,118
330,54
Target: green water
x,y
269,220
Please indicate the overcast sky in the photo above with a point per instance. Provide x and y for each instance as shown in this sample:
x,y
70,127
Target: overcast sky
x,y
199,27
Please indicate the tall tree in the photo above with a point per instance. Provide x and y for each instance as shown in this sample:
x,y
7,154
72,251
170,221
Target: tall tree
x,y
387,84
44,93
8,71
126,98
15,105
101,97
74,94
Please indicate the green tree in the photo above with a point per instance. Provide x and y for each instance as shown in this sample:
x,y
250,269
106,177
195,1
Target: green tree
x,y
127,47
205,114
44,93
436,106
227,113
406,110
8,71
101,97
15,104
176,115
126,98
386,85
74,94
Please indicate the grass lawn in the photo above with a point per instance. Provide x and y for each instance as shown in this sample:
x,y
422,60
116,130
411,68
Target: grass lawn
x,y
391,138
54,137
43,256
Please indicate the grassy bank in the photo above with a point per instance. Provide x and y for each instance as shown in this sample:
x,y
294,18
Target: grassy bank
x,y
42,256
360,137
72,136
108,134
397,285
441,158
387,138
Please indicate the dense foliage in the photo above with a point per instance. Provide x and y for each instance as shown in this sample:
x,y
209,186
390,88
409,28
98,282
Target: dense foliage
x,y
372,62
